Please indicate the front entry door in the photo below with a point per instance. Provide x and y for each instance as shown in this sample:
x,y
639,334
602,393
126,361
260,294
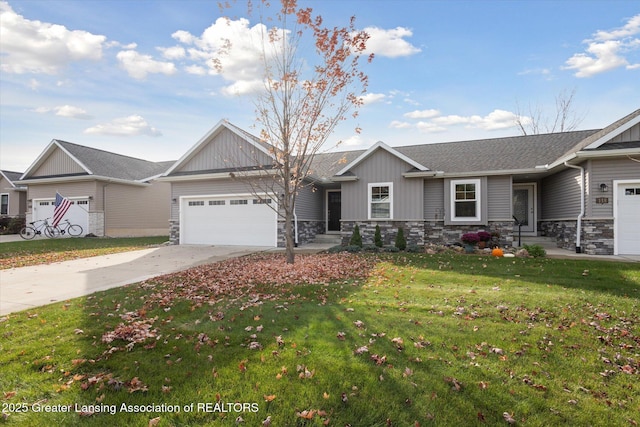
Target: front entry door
x,y
524,209
334,210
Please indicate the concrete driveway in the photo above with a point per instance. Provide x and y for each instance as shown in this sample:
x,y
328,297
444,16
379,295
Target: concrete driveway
x,y
26,287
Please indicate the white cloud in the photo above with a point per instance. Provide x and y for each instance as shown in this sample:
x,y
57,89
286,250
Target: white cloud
x,y
173,53
139,66
36,47
396,124
496,120
607,50
371,98
64,111
196,69
422,114
124,126
390,43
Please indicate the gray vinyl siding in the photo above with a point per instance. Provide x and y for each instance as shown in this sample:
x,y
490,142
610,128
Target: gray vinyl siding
x,y
310,204
68,189
605,171
631,134
434,199
136,208
211,187
561,195
381,167
227,150
17,199
58,163
499,198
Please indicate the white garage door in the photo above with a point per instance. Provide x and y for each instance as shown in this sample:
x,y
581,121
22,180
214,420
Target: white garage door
x,y
231,220
78,213
628,219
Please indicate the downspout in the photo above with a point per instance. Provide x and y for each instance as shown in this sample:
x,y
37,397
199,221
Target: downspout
x,y
579,225
295,226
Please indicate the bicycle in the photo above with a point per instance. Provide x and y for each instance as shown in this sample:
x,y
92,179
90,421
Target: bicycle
x,y
65,227
36,228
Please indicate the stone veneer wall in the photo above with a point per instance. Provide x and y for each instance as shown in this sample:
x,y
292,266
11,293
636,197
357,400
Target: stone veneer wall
x,y
438,233
307,231
174,232
596,237
96,224
413,231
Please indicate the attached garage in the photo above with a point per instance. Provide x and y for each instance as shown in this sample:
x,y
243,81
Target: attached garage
x,y
228,220
78,213
627,218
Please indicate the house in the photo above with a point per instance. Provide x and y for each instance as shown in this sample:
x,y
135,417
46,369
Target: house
x,y
111,194
581,188
13,197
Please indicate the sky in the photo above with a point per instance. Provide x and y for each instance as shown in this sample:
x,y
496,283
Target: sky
x,y
134,76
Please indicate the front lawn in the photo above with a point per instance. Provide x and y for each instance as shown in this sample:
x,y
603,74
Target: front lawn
x,y
41,251
390,340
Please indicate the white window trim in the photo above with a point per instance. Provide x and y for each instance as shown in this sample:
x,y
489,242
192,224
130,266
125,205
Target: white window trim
x,y
478,200
369,190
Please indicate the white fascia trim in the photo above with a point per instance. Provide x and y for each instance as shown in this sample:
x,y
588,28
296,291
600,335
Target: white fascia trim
x,y
390,150
617,131
216,175
344,178
489,173
607,153
55,180
46,153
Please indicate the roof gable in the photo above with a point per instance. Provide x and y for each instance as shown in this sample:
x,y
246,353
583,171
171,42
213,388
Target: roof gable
x,y
381,146
62,159
10,177
224,147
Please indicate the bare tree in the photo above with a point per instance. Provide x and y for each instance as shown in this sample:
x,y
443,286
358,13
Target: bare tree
x,y
302,102
534,121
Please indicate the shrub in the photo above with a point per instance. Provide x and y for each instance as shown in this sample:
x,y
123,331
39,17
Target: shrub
x,y
484,236
370,248
415,249
335,249
356,238
470,238
535,251
377,237
390,249
401,242
351,248
11,225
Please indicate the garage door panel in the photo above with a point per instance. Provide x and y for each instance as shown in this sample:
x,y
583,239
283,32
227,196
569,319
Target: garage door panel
x,y
628,218
227,221
77,213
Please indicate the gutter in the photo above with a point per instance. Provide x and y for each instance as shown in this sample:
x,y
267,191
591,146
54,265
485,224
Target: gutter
x,y
581,214
295,227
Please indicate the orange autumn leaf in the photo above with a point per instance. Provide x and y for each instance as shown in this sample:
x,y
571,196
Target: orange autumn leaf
x,y
269,398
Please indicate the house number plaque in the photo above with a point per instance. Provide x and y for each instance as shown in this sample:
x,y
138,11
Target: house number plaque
x,y
602,200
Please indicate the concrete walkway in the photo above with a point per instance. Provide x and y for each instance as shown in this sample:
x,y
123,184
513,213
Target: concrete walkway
x,y
26,287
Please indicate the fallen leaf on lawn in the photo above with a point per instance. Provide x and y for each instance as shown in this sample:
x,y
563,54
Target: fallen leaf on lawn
x,y
361,350
483,385
508,418
154,421
325,395
341,336
359,324
307,415
407,372
242,366
455,384
269,398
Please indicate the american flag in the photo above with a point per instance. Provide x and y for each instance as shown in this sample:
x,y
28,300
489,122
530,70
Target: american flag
x,y
62,205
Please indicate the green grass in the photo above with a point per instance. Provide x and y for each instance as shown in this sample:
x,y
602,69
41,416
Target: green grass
x,y
458,340
33,252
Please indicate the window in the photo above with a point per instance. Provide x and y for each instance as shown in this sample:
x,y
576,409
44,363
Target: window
x,y
197,203
627,192
381,200
216,203
238,202
465,200
4,204
261,201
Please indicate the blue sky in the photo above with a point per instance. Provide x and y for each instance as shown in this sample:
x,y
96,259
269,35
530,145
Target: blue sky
x,y
132,77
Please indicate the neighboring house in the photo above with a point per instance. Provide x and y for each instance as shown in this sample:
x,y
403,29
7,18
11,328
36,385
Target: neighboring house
x,y
581,188
111,194
13,197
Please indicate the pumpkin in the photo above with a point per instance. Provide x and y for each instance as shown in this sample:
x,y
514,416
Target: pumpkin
x,y
497,252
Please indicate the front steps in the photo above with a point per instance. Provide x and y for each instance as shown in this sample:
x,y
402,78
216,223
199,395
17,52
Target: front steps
x,y
545,242
328,239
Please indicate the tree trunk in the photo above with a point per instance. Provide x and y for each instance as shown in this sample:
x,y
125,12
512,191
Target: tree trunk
x,y
289,237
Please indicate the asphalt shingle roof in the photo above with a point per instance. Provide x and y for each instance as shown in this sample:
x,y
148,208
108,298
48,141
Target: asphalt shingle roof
x,y
12,176
112,165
